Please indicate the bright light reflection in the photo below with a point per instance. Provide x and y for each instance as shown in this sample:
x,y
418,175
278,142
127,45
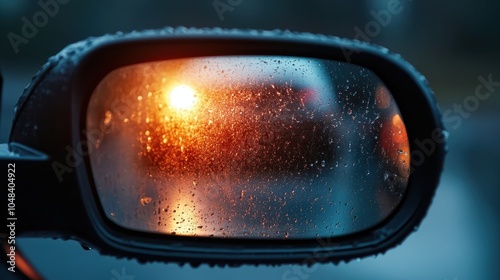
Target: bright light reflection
x,y
182,97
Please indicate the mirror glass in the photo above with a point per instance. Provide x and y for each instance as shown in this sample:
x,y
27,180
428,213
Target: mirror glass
x,y
247,147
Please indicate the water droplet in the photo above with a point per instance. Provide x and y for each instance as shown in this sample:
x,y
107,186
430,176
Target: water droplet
x,y
145,200
323,163
400,152
108,117
85,246
358,260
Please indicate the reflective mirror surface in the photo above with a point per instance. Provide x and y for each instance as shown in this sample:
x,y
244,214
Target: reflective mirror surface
x,y
247,147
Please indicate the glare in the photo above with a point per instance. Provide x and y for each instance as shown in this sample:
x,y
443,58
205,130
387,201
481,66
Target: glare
x,y
182,97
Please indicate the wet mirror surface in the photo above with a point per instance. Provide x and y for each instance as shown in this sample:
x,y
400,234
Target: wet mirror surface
x,y
247,147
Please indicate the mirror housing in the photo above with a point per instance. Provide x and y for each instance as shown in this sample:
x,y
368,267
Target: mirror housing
x,y
57,196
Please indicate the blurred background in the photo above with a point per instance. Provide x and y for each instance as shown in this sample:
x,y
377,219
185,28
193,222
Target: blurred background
x,y
455,44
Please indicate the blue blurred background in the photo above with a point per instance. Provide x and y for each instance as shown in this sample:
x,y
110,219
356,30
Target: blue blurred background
x,y
452,43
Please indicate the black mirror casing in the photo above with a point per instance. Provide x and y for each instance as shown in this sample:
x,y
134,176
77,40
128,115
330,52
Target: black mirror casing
x,y
56,196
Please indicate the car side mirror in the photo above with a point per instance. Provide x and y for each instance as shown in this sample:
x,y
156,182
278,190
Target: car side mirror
x,y
225,147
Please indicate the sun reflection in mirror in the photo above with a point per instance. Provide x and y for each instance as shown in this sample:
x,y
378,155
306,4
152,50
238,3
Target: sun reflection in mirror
x,y
182,97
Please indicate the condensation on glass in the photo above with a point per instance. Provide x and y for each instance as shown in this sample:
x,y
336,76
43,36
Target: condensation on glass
x,y
247,147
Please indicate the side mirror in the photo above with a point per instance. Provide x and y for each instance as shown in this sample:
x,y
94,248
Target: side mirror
x,y
225,147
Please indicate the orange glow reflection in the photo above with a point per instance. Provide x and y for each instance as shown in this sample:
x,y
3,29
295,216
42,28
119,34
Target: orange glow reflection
x,y
395,144
182,97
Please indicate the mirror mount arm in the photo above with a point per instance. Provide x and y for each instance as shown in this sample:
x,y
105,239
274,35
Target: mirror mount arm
x,y
37,205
